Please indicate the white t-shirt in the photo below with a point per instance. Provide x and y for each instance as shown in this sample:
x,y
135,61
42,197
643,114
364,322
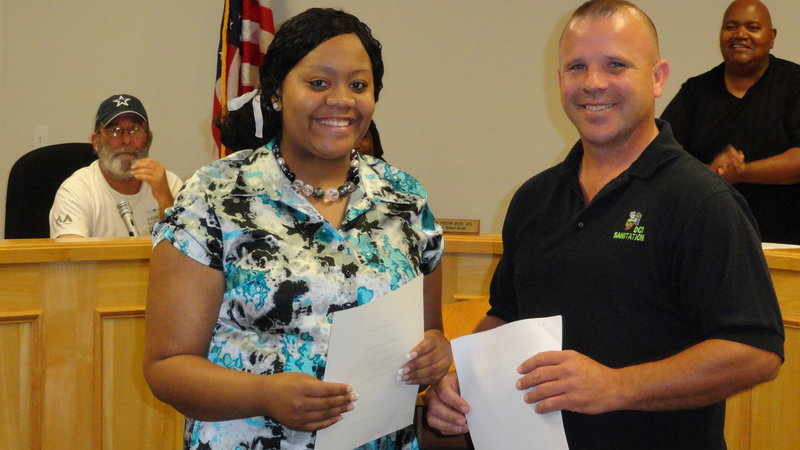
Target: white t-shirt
x,y
86,205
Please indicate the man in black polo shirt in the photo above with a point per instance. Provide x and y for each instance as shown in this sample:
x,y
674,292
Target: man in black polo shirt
x,y
653,262
742,119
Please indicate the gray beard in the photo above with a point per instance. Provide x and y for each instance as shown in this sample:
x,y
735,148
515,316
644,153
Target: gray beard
x,y
117,166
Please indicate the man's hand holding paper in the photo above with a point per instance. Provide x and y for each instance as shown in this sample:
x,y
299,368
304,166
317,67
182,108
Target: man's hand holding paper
x,y
568,380
492,403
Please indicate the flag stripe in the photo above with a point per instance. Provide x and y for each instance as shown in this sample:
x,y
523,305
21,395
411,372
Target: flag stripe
x,y
246,31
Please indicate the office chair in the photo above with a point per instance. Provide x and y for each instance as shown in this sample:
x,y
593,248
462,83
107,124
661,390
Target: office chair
x,y
32,185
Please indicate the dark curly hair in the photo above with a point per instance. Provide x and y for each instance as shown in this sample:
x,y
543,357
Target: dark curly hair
x,y
292,42
377,148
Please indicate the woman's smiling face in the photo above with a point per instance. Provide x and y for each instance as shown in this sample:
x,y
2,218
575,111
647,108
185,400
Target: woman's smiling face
x,y
327,100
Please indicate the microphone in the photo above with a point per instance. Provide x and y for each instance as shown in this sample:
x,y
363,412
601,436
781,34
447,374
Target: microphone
x,y
125,212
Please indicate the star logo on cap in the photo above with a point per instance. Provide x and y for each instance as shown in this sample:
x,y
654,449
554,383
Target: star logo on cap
x,y
121,101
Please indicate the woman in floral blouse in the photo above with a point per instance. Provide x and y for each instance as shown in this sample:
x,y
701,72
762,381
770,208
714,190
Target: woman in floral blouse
x,y
262,247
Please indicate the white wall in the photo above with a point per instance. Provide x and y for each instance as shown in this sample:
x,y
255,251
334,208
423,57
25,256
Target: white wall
x,y
60,59
470,103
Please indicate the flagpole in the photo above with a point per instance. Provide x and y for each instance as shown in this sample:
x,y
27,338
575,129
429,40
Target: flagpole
x,y
223,76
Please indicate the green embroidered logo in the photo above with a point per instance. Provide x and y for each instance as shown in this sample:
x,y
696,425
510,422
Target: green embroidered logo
x,y
633,231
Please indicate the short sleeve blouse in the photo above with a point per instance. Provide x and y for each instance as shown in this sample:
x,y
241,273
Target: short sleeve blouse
x,y
287,270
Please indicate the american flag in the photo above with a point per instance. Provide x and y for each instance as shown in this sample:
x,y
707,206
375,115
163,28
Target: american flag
x,y
245,33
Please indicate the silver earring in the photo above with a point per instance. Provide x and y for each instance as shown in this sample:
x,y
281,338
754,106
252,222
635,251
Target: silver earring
x,y
276,106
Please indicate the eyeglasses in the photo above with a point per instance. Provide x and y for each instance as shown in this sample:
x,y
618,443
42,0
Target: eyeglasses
x,y
117,132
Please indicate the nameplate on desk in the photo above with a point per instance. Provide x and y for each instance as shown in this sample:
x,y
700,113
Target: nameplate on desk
x,y
460,226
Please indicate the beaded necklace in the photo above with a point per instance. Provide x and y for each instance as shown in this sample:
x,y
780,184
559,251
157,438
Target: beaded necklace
x,y
307,190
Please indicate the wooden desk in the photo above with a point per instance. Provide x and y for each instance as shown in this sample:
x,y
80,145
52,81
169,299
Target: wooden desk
x,y
71,328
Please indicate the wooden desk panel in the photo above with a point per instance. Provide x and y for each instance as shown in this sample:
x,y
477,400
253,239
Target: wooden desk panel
x,y
71,326
467,266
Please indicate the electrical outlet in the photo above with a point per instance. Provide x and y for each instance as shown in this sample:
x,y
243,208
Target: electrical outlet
x,y
40,133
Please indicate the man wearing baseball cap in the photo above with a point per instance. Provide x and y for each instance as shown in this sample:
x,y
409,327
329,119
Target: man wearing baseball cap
x,y
90,203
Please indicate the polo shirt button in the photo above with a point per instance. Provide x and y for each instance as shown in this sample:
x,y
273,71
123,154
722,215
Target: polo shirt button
x,y
580,224
341,247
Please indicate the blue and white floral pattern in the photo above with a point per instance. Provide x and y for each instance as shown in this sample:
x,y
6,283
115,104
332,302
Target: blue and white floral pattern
x,y
287,271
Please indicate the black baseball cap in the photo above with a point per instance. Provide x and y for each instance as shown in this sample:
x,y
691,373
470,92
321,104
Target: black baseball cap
x,y
118,104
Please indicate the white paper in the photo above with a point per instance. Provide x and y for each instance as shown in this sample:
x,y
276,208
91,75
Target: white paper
x,y
487,364
367,348
777,246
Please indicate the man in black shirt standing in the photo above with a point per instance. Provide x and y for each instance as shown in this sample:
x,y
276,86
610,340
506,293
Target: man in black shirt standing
x,y
652,261
742,119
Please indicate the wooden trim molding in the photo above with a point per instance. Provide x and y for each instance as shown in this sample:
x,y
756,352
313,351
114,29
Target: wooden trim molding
x,y
34,390
15,251
19,316
489,244
784,259
101,315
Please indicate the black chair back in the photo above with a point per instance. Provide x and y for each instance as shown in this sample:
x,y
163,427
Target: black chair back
x,y
32,185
